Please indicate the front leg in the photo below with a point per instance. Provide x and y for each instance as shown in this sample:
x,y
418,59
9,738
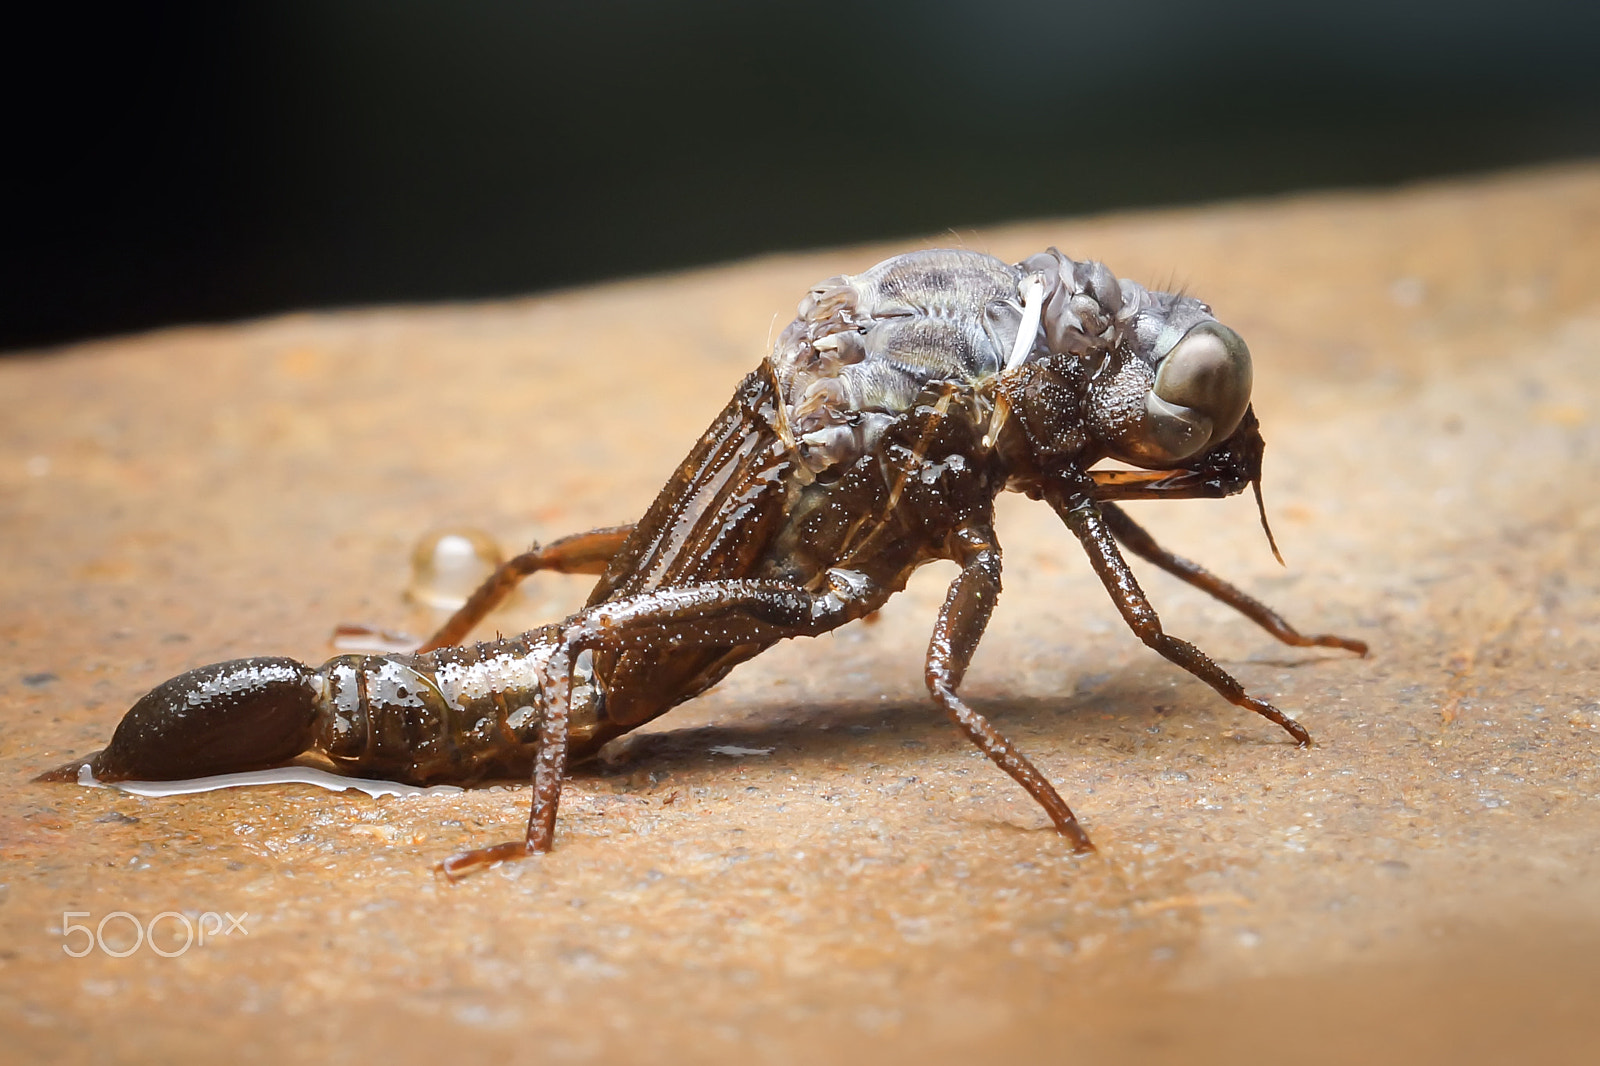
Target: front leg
x,y
713,614
962,620
1136,539
1083,517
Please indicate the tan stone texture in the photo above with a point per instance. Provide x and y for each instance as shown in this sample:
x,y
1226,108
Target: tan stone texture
x,y
1419,886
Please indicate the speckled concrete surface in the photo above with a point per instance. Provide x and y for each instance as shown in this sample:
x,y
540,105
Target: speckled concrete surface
x,y
1419,886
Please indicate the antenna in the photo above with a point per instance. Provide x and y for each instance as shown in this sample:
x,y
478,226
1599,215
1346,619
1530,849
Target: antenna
x,y
1262,507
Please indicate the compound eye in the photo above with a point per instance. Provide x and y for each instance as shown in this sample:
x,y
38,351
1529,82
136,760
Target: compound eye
x,y
1201,391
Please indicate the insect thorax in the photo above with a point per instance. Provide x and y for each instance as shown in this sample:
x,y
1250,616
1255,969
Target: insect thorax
x,y
863,346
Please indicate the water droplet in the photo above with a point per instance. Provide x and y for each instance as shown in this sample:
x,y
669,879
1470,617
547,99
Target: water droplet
x,y
1408,291
447,564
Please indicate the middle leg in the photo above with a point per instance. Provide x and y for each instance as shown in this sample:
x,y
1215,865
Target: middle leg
x,y
580,553
962,619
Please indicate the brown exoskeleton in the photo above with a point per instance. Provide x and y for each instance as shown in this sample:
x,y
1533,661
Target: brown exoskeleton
x,y
874,439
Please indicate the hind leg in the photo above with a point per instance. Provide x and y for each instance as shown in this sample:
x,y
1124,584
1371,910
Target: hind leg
x,y
714,614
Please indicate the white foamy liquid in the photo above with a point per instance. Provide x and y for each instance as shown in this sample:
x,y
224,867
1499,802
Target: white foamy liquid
x,y
283,775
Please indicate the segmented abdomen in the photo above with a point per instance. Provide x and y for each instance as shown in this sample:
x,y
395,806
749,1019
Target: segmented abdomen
x,y
458,714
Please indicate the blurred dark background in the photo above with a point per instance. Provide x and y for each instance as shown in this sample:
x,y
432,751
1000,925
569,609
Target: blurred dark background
x,y
174,163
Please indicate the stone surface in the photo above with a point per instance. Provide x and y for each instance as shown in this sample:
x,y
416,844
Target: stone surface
x,y
1419,886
